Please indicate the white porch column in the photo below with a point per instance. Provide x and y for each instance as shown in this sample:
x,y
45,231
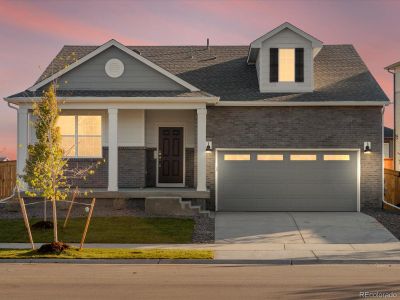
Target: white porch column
x,y
113,149
201,148
22,139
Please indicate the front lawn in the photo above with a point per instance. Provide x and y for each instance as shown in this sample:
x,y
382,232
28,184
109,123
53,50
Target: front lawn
x,y
120,230
111,254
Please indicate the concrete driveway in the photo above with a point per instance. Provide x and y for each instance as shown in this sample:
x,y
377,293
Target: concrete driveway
x,y
300,228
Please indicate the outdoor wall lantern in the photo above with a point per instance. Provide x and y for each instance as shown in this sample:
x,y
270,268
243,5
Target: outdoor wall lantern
x,y
367,147
209,147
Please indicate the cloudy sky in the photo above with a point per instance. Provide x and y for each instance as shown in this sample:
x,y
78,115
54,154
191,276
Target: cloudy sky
x,y
32,32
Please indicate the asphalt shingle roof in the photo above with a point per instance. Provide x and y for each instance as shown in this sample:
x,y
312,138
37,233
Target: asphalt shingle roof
x,y
339,72
388,132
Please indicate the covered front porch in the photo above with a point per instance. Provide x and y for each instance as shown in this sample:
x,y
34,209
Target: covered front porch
x,y
149,149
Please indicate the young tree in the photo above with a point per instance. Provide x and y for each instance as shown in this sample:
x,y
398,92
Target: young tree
x,y
45,166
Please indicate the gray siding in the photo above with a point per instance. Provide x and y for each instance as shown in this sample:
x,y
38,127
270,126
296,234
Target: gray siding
x,y
137,76
296,127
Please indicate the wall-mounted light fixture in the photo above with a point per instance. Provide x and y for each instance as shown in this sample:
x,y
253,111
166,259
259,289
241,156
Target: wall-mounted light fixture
x,y
367,147
209,147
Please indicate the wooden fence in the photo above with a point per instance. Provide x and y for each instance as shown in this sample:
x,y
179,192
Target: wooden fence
x,y
392,186
389,163
7,177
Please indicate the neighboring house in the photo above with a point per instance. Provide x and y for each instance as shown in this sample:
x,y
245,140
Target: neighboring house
x,y
2,158
285,121
395,70
388,143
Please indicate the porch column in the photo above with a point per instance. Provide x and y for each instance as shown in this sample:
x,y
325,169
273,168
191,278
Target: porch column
x,y
113,149
201,149
22,139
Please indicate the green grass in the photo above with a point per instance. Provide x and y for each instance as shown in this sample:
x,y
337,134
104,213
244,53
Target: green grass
x,y
123,230
111,254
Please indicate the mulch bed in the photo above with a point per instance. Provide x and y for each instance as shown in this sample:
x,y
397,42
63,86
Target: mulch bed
x,y
389,219
53,248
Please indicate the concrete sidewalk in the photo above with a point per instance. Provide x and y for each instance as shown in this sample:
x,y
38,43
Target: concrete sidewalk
x,y
273,252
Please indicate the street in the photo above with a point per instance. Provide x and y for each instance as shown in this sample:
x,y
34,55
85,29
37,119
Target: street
x,y
80,281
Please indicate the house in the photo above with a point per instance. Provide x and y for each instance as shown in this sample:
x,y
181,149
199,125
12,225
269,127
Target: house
x,y
388,143
284,123
395,70
3,158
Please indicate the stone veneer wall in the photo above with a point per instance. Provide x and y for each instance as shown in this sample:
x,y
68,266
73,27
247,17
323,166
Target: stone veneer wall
x,y
301,127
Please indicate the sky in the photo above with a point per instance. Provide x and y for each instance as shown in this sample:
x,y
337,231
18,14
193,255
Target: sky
x,y
32,33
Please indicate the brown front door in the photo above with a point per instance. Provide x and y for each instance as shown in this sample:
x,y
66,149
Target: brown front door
x,y
170,155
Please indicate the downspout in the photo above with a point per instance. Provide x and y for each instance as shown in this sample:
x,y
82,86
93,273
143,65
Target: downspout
x,y
394,119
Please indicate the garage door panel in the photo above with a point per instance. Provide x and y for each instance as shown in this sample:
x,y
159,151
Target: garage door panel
x,y
287,185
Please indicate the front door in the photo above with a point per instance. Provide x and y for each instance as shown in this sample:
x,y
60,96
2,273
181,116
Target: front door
x,y
170,155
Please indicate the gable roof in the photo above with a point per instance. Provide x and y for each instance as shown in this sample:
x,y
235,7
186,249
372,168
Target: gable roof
x,y
99,50
316,43
388,133
393,66
339,73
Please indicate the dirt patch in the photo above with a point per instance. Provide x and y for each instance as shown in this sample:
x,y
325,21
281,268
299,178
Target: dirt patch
x,y
53,248
43,225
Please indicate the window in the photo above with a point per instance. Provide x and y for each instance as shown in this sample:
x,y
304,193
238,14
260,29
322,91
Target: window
x,y
303,157
81,136
286,65
237,157
269,157
336,157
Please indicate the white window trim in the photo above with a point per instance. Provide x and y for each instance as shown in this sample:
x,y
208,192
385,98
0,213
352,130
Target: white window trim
x,y
76,138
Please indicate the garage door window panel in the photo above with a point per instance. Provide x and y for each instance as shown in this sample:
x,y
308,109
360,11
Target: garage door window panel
x,y
303,157
237,157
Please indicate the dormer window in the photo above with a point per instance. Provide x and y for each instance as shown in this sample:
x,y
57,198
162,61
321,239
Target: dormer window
x,y
284,60
286,65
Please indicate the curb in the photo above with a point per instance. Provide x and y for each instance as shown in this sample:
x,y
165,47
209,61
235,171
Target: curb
x,y
197,261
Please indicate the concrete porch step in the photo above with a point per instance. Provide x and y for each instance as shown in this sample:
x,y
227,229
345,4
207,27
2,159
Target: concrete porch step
x,y
173,206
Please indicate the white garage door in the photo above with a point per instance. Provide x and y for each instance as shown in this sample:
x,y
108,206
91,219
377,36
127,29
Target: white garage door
x,y
290,180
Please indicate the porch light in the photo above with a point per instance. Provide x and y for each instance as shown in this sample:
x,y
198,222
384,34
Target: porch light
x,y
367,147
209,147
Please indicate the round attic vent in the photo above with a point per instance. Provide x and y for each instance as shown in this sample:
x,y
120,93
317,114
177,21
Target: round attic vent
x,y
114,68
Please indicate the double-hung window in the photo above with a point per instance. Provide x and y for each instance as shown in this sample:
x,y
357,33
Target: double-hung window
x,y
81,136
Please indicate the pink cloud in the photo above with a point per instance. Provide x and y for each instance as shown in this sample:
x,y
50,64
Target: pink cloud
x,y
27,16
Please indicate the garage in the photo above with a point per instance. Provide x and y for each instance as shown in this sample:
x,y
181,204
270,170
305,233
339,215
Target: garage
x,y
289,180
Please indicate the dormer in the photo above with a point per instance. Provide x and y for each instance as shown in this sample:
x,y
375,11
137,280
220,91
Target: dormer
x,y
284,59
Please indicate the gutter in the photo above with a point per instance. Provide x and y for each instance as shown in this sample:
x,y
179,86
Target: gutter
x,y
207,100
10,105
304,103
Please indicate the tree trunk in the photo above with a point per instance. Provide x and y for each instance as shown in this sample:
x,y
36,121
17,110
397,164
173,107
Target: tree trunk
x,y
45,210
55,220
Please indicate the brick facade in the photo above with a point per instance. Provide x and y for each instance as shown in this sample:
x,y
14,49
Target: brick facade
x,y
264,127
301,127
99,179
131,167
